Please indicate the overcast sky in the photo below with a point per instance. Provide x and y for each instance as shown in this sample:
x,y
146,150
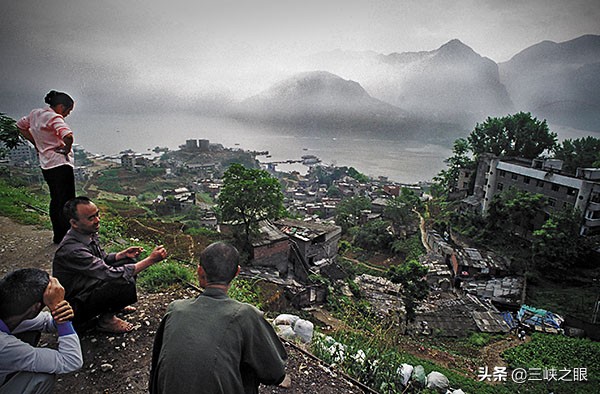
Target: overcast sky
x,y
200,47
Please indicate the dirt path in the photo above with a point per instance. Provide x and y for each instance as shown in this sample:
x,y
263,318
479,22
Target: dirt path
x,y
24,246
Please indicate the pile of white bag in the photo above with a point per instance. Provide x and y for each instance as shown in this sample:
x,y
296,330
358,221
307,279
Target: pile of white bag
x,y
293,327
415,376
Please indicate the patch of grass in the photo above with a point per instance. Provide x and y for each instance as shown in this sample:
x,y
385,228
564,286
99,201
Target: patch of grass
x,y
24,206
165,274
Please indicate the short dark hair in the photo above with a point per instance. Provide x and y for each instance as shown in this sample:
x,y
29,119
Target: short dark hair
x,y
220,262
54,98
21,289
70,208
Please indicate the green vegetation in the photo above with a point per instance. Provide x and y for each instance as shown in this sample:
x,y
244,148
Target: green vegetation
x,y
109,180
375,360
23,205
9,134
249,196
410,248
581,152
247,290
561,353
411,276
517,135
165,274
574,298
349,210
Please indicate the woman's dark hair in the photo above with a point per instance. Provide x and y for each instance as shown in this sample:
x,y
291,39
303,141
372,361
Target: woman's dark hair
x,y
54,98
21,289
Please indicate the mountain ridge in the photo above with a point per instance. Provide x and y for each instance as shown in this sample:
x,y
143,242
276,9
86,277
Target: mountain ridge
x,y
455,85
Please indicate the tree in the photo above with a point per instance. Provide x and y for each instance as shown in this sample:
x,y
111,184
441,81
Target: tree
x,y
517,135
249,196
399,208
447,179
581,152
411,275
349,210
557,244
374,236
9,134
514,210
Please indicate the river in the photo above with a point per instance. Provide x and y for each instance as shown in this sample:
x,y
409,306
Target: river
x,y
400,160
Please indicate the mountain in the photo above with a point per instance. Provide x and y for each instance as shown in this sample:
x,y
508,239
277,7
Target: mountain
x,y
320,100
451,83
559,82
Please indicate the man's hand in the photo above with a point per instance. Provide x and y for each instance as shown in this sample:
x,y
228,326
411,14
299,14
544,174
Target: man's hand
x,y
132,252
54,294
63,312
158,254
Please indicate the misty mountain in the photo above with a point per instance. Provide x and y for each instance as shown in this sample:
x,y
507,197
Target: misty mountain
x,y
451,83
320,100
559,82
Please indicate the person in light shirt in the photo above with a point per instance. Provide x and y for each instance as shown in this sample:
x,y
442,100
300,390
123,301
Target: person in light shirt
x,y
25,368
46,129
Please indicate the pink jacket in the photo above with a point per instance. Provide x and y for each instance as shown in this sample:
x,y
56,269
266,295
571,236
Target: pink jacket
x,y
48,130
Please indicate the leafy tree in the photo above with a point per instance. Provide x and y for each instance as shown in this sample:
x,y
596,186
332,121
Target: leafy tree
x,y
349,210
249,196
9,134
514,210
399,208
513,135
447,179
557,244
374,236
411,275
581,152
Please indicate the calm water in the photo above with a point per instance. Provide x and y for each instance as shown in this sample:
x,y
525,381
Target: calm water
x,y
400,160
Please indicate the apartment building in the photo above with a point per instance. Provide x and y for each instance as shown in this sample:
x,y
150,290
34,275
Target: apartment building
x,y
542,176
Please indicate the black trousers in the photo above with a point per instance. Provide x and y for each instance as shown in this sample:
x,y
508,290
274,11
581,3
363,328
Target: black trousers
x,y
61,181
106,297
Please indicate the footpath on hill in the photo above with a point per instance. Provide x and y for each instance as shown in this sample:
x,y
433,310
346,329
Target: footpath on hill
x,y
121,363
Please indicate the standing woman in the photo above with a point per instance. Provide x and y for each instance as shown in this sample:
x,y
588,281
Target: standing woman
x,y
46,129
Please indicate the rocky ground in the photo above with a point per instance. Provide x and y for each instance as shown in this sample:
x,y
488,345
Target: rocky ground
x,y
120,363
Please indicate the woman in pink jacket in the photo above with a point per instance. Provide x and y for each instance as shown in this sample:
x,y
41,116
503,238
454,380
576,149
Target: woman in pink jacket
x,y
46,129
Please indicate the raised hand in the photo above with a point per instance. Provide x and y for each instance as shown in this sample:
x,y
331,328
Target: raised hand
x,y
53,294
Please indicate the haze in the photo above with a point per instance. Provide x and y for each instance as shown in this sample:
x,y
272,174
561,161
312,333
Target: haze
x,y
137,56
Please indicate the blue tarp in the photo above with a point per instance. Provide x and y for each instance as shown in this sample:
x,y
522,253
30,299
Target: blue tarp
x,y
538,317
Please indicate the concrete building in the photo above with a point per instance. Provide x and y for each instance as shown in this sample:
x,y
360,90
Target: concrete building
x,y
23,155
542,176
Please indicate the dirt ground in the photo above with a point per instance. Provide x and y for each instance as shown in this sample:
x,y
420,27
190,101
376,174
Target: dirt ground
x,y
120,363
